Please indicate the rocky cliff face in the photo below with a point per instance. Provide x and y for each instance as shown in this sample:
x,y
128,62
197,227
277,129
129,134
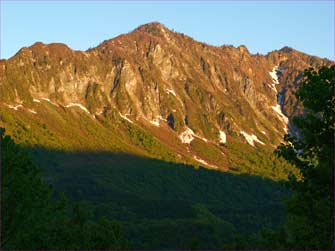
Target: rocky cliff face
x,y
174,88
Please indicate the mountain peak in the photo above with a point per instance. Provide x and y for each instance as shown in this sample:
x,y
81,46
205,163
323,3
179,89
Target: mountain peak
x,y
152,27
286,49
154,24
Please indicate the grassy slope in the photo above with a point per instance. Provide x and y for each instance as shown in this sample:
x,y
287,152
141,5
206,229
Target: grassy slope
x,y
72,129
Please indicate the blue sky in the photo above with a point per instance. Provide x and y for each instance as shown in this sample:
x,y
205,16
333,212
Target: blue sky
x,y
262,26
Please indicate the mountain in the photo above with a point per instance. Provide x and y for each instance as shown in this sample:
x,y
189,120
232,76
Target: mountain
x,y
154,93
125,126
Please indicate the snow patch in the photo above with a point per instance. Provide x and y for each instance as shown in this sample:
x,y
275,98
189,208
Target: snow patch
x,y
223,138
125,118
204,162
78,105
282,117
171,91
15,107
187,136
263,132
280,96
251,138
200,160
48,100
32,111
36,100
274,75
155,122
204,139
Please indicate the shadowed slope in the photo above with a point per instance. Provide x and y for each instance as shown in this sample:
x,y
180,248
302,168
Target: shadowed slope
x,y
153,197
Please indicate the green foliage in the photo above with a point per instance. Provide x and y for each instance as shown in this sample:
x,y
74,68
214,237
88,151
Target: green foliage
x,y
261,162
24,199
31,219
310,210
164,205
150,144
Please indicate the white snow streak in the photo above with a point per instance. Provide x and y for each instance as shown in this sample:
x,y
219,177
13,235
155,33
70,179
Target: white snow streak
x,y
171,91
280,97
274,77
204,162
125,118
204,139
36,100
78,105
282,117
251,138
15,107
200,160
48,100
32,111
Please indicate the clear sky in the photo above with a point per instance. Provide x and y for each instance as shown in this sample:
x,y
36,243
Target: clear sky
x,y
262,26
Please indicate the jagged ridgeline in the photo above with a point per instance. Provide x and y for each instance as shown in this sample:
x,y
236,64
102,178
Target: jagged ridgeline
x,y
123,125
155,93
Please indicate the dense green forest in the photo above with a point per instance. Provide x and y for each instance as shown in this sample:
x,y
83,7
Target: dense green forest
x,y
33,219
120,201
